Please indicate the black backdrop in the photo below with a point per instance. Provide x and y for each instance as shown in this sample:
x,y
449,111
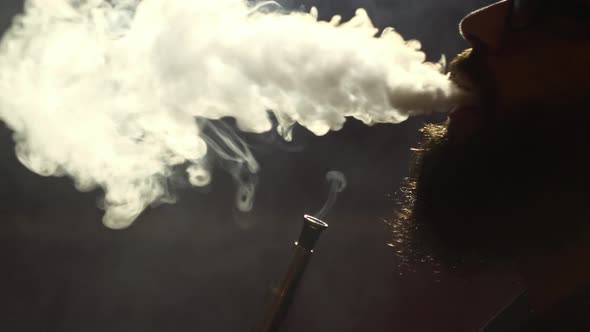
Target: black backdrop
x,y
200,266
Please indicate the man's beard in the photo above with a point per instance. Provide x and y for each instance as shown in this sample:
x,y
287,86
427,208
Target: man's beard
x,y
517,184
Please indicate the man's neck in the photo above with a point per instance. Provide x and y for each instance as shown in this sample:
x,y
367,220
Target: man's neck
x,y
553,277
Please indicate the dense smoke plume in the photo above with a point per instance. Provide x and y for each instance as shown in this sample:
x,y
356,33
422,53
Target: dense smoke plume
x,y
117,94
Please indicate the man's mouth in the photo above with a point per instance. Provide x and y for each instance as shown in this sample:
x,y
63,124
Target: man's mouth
x,y
465,119
467,73
463,81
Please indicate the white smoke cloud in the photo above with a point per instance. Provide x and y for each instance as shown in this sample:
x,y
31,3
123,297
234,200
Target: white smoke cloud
x,y
115,94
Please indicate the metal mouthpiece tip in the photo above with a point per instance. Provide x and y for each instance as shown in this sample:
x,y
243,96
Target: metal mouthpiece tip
x,y
315,221
312,228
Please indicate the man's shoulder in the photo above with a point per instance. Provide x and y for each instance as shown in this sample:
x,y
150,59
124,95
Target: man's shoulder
x,y
512,318
571,314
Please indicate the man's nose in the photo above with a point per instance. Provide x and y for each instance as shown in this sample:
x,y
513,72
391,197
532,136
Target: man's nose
x,y
485,28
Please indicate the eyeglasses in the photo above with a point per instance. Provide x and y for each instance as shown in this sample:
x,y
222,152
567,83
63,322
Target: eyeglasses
x,y
524,13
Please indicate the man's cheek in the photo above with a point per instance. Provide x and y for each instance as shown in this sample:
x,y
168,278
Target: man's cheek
x,y
540,75
517,82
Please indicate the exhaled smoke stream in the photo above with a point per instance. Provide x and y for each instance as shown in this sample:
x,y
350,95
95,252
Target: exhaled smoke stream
x,y
115,94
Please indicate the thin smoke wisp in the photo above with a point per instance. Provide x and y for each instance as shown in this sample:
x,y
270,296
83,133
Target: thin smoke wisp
x,y
338,183
115,94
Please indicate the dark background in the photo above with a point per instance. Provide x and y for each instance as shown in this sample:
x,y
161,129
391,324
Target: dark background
x,y
199,265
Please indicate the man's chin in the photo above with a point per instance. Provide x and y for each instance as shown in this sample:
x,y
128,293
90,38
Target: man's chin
x,y
450,198
508,186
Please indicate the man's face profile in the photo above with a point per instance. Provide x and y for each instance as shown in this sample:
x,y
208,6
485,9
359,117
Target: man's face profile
x,y
506,174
